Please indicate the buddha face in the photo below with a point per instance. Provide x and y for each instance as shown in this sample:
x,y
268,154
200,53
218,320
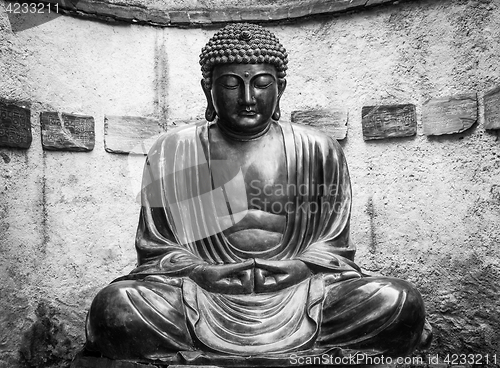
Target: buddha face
x,y
245,96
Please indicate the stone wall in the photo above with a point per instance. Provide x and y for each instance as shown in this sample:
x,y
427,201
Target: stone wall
x,y
189,13
426,209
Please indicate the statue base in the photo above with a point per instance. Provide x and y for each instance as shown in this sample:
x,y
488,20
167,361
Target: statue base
x,y
82,361
87,360
93,362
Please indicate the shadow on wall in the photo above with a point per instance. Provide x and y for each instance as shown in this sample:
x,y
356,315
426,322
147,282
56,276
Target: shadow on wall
x,y
462,315
46,343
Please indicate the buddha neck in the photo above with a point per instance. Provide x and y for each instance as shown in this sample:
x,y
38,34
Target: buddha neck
x,y
231,134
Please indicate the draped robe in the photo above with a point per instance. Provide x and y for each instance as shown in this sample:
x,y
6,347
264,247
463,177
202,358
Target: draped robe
x,y
180,226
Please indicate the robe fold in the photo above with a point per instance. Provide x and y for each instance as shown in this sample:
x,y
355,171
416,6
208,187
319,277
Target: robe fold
x,y
180,227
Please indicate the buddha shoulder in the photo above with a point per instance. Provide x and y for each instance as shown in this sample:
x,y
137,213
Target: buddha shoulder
x,y
176,134
316,136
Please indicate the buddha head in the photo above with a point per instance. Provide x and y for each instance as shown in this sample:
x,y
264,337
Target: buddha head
x,y
244,68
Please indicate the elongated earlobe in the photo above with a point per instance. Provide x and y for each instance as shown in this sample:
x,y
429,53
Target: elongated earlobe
x,y
277,112
210,113
281,89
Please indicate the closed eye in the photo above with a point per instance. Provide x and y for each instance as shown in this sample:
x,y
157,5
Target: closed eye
x,y
229,82
263,85
263,81
229,86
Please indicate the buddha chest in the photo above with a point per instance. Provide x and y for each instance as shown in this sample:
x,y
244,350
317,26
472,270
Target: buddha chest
x,y
260,163
259,166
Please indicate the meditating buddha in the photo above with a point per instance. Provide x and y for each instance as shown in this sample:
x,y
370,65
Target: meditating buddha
x,y
243,239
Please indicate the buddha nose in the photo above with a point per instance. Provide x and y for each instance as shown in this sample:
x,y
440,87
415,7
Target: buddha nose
x,y
248,95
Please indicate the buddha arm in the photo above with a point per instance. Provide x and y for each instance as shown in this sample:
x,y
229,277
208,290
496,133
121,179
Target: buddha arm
x,y
331,255
326,257
157,250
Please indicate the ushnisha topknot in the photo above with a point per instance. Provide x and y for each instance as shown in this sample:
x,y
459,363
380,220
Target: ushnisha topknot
x,y
242,43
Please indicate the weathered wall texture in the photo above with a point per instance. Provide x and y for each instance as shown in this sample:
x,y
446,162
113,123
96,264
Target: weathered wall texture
x,y
425,209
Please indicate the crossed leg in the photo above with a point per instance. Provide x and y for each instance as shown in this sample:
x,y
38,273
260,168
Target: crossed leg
x,y
375,314
144,319
138,319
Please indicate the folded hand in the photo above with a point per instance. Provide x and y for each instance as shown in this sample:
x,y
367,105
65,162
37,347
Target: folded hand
x,y
232,278
277,275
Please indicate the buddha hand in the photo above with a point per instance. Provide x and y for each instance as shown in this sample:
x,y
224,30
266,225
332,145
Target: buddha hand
x,y
232,278
277,275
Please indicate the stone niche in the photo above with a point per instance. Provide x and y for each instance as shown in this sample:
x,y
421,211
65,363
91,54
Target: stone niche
x,y
195,13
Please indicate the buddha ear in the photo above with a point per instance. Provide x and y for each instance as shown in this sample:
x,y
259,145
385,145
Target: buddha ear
x,y
210,113
281,89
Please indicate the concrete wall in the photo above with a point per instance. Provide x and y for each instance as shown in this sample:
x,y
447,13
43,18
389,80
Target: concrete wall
x,y
425,209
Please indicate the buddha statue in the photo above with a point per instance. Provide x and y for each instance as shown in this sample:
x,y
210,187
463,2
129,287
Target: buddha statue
x,y
243,238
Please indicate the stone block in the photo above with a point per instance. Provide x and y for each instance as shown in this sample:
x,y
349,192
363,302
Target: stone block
x,y
376,2
492,109
251,15
277,13
119,12
322,7
200,17
335,6
218,16
331,121
234,15
15,125
388,121
179,17
91,7
340,5
67,132
158,17
449,115
298,10
130,134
